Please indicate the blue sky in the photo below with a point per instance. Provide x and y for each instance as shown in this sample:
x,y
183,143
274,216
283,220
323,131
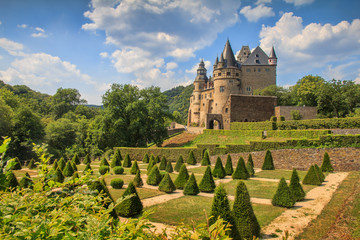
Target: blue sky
x,y
88,45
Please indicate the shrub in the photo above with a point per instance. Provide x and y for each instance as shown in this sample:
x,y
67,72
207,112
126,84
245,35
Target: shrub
x,y
61,164
179,163
282,118
163,163
152,157
146,158
76,159
117,183
169,167
295,187
87,159
250,160
219,170
150,166
326,164
129,204
11,181
157,159
283,197
26,181
88,168
154,177
206,159
31,164
167,185
17,165
207,183
68,170
138,182
228,166
104,169
116,159
73,165
104,162
55,165
191,159
312,177
268,162
135,168
191,187
182,177
250,169
221,208
243,213
295,115
240,171
75,175
59,177
118,170
127,161
320,173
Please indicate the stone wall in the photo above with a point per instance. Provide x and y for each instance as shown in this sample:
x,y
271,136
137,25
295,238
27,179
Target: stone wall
x,y
342,159
305,112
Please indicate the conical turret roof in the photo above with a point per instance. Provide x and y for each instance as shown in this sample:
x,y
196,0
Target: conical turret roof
x,y
272,53
228,55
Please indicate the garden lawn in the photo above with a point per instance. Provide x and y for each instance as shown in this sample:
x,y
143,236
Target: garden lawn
x,y
142,192
190,210
278,174
220,140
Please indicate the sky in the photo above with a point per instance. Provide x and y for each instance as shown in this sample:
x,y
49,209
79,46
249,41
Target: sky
x,y
89,45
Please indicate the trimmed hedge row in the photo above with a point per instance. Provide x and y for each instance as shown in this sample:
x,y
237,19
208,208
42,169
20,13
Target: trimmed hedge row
x,y
327,123
246,133
267,125
309,134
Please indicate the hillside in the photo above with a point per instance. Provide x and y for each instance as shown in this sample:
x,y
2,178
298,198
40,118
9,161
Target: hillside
x,y
178,100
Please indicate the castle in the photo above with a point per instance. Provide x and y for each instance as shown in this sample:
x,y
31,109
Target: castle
x,y
227,96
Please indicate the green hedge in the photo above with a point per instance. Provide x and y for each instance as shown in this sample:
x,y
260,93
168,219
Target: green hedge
x,y
267,125
309,134
246,133
327,123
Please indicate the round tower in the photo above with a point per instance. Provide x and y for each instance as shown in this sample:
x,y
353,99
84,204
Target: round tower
x,y
272,57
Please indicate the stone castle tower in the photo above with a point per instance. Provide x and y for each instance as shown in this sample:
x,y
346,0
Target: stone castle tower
x,y
231,77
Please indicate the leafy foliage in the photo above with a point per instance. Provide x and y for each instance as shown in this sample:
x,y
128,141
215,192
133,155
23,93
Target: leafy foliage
x,y
206,159
68,170
104,169
228,166
87,159
283,196
127,162
191,159
76,159
138,182
129,204
146,158
219,170
59,177
26,181
16,165
104,162
191,187
182,177
268,162
116,159
61,164
88,168
117,183
326,164
135,168
240,171
163,163
295,187
312,177
118,170
31,164
179,163
154,177
157,159
169,167
166,184
11,181
207,183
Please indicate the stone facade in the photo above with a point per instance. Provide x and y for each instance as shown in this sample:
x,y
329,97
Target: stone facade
x,y
342,159
240,76
305,112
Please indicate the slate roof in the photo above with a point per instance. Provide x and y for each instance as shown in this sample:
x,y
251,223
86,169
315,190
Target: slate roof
x,y
257,57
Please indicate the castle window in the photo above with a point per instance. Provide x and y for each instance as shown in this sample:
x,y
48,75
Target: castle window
x,y
199,97
226,110
210,95
267,70
257,55
203,104
248,69
257,61
237,74
222,88
231,81
219,74
228,73
248,89
205,96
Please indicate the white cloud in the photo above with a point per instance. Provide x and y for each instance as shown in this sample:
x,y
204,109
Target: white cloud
x,y
13,48
343,71
299,2
104,55
196,66
39,33
171,65
302,48
22,26
254,14
258,2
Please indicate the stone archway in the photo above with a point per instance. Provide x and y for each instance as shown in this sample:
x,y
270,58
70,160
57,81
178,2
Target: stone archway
x,y
213,120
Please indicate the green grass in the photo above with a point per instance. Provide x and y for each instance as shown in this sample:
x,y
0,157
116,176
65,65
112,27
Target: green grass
x,y
221,140
193,210
278,174
142,192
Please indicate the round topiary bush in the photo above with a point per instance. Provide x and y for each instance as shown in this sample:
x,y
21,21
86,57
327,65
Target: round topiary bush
x,y
228,166
283,197
191,187
104,169
206,159
219,170
268,162
326,164
117,183
166,184
207,183
179,163
191,159
240,171
118,170
182,177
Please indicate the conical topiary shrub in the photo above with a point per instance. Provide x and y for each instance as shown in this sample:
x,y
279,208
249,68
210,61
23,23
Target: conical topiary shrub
x,y
68,170
169,167
152,157
295,187
154,177
61,164
326,164
104,162
150,166
166,184
146,158
182,177
55,165
268,162
135,168
283,196
116,159
16,165
221,208
163,163
243,213
76,159
206,159
312,177
26,181
179,163
207,183
127,161
240,171
229,170
191,187
219,170
138,182
320,173
191,159
250,160
88,168
59,176
250,169
87,159
11,181
129,204
157,159
73,165
75,175
31,164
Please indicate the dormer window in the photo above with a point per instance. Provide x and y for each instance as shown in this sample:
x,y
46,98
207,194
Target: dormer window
x,y
257,61
257,55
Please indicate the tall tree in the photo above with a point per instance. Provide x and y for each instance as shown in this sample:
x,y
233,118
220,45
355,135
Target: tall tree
x,y
307,90
65,100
